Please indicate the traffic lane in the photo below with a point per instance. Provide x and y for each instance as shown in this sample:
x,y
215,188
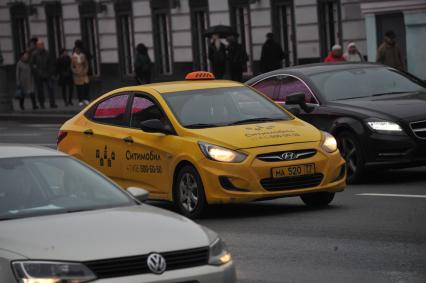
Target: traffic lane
x,y
356,239
25,133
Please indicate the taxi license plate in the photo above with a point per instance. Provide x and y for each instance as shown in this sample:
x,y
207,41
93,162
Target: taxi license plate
x,y
293,171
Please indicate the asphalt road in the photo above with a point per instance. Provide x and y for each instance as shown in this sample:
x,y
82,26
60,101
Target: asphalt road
x,y
373,232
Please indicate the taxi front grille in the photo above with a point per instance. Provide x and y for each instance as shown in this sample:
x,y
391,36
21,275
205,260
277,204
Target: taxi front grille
x,y
286,155
292,183
134,265
419,129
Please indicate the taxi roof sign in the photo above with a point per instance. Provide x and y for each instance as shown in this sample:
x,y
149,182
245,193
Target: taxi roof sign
x,y
200,75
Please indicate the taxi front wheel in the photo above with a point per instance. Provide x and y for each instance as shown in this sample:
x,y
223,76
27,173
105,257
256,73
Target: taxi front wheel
x,y
188,192
317,199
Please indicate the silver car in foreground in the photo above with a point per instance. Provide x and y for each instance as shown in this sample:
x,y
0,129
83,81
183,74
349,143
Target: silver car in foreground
x,y
61,221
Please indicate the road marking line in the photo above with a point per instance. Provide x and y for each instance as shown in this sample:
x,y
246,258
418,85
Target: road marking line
x,y
392,195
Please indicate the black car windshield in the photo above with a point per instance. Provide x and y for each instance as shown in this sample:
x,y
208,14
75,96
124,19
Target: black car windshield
x,y
52,185
363,82
226,106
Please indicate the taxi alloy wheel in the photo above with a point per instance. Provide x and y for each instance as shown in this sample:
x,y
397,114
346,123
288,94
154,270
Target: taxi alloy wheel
x,y
189,194
320,199
351,151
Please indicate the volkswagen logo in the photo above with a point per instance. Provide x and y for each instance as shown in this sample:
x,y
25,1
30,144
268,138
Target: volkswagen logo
x,y
156,263
289,155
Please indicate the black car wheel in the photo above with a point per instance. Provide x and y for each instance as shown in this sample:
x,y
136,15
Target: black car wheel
x,y
317,199
188,192
350,149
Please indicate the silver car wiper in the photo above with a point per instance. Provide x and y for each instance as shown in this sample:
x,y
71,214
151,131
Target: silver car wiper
x,y
391,92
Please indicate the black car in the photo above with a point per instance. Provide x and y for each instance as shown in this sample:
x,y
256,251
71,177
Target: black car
x,y
377,113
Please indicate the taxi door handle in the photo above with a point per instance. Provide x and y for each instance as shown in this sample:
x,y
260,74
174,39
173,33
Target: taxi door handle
x,y
128,139
88,132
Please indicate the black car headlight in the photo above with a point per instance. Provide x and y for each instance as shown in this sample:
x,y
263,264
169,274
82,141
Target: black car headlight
x,y
221,154
384,127
51,272
218,253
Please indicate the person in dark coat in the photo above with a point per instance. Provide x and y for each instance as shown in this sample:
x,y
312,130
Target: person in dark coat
x,y
389,52
217,56
25,80
43,69
237,59
272,55
142,65
65,76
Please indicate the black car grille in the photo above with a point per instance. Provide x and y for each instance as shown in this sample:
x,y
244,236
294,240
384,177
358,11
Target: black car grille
x,y
292,183
419,129
281,155
133,265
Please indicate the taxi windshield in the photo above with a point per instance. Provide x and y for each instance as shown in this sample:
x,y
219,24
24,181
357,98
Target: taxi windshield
x,y
215,107
51,185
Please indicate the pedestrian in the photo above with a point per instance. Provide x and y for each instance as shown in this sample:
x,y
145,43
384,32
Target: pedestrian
x,y
272,55
80,70
237,59
389,52
42,66
335,55
25,81
217,56
65,76
142,65
352,53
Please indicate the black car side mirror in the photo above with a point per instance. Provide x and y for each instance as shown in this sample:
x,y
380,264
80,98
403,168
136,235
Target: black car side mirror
x,y
298,98
155,126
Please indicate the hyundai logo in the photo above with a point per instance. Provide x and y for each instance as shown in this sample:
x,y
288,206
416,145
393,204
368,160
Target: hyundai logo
x,y
156,263
289,155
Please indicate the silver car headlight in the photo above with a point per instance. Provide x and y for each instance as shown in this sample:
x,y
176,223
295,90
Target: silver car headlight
x,y
221,154
218,253
328,143
51,272
384,127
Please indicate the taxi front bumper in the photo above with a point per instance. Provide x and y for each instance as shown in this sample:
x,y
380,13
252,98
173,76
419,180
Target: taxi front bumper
x,y
252,179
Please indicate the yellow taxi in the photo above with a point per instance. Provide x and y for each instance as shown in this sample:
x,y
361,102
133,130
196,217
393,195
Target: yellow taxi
x,y
204,141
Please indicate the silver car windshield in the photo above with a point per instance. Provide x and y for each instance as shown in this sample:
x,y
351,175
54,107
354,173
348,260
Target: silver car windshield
x,y
215,107
51,185
363,82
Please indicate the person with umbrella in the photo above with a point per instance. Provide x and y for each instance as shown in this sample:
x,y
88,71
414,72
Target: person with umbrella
x,y
217,56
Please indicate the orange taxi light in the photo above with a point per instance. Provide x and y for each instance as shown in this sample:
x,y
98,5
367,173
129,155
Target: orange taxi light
x,y
200,75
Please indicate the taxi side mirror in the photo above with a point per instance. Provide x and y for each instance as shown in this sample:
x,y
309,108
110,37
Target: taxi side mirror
x,y
138,193
298,98
155,126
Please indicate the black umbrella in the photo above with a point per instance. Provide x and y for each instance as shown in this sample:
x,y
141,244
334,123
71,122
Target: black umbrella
x,y
221,30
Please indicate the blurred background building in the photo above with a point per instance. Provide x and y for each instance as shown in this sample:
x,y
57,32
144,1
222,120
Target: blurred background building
x,y
173,30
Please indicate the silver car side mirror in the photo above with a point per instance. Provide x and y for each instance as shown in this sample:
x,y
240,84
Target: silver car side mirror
x,y
138,193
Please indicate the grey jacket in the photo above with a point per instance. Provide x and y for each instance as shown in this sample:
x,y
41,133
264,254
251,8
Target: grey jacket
x,y
24,77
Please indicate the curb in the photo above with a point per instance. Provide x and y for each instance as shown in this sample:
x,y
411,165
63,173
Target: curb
x,y
36,118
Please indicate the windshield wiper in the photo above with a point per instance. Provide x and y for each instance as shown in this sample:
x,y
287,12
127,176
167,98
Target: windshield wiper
x,y
253,120
201,125
391,92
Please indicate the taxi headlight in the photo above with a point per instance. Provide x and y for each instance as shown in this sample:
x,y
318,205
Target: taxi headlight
x,y
221,154
51,272
218,253
329,143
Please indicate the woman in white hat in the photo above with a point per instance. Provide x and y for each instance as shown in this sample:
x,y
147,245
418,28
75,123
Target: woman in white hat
x,y
352,54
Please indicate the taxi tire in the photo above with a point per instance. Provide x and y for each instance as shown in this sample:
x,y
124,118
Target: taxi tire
x,y
320,199
349,138
201,204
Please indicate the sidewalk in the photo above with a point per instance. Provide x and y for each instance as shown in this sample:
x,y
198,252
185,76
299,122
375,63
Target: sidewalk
x,y
48,115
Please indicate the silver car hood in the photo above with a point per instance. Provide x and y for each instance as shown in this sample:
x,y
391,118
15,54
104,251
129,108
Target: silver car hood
x,y
101,234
